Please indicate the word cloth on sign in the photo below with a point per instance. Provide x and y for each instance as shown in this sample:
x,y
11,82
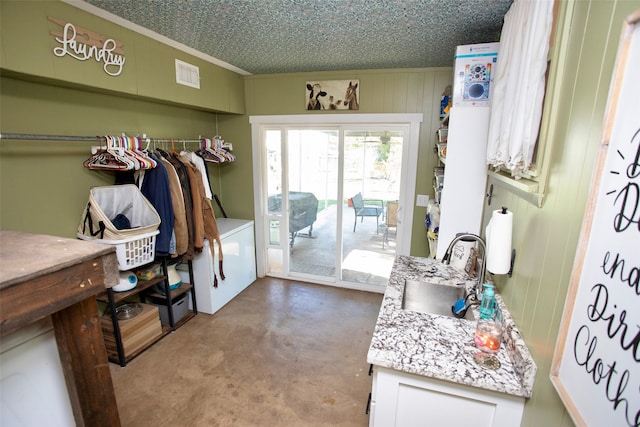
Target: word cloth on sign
x,y
104,50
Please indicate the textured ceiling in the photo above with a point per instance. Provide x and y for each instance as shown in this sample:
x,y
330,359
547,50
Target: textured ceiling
x,y
280,36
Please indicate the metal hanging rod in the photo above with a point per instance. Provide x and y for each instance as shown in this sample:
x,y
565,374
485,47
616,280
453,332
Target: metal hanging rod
x,y
35,137
27,136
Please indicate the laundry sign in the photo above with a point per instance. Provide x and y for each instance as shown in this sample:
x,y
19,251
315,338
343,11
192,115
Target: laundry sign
x,y
82,44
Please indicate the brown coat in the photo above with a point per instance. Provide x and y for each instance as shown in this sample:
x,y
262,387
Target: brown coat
x,y
177,201
204,217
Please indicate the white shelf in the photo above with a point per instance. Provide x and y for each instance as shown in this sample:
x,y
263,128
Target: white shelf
x,y
525,188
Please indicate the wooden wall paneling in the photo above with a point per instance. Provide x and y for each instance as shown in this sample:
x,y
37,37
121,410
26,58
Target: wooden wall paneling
x,y
415,88
400,90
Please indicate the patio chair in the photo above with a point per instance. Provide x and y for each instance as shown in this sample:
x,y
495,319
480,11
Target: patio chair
x,y
391,220
361,209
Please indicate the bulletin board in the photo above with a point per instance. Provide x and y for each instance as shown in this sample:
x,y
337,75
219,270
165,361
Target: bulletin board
x,y
596,364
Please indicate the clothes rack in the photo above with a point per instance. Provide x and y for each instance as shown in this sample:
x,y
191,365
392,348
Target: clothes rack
x,y
102,139
38,137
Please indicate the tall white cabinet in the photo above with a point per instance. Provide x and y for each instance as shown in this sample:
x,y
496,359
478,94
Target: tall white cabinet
x,y
465,173
239,265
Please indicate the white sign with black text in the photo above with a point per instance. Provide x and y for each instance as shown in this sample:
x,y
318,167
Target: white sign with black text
x,y
596,367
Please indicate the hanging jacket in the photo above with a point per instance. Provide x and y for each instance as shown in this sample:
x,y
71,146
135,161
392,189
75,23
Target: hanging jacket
x,y
177,201
155,187
186,194
200,164
205,216
195,183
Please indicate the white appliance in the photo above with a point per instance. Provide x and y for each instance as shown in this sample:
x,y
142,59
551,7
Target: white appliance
x,y
239,266
33,391
465,172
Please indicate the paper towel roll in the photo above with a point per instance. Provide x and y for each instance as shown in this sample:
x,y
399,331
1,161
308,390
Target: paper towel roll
x,y
498,234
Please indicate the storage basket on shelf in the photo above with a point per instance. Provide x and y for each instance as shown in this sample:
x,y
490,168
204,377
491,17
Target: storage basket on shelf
x,y
127,206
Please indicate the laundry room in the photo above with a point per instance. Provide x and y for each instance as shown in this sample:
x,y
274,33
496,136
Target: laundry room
x,y
240,213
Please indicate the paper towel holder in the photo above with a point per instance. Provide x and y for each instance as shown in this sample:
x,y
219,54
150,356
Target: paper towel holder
x,y
513,251
513,261
489,195
503,210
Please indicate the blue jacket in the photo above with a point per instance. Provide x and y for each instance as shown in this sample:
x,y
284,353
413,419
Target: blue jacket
x,y
155,187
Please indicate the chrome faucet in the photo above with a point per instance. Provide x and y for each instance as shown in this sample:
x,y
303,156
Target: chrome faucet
x,y
446,259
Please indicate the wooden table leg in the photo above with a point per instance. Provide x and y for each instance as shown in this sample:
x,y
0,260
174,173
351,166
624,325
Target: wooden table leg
x,y
85,364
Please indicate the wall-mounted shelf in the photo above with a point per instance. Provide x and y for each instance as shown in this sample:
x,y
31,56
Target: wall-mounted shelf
x,y
523,187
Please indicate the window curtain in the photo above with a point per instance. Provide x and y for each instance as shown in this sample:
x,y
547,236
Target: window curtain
x,y
518,86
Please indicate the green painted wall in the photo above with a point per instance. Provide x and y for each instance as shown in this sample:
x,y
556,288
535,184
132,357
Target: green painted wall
x,y
43,184
149,68
236,179
546,238
381,91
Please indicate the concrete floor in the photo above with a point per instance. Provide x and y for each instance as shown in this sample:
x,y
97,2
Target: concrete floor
x,y
365,259
282,353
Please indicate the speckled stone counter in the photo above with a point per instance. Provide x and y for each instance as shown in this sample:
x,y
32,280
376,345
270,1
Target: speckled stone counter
x,y
442,347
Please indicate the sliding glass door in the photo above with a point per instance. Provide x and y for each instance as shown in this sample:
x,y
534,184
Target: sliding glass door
x,y
371,183
328,201
313,190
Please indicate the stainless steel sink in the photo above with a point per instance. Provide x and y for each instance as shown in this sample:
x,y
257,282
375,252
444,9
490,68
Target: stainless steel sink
x,y
433,298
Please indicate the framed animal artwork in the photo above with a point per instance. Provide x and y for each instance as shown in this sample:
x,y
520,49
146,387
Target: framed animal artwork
x,y
332,95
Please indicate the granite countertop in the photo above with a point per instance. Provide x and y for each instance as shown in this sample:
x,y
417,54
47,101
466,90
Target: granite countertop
x,y
442,347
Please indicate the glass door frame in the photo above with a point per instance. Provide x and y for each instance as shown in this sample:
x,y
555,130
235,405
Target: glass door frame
x,y
259,124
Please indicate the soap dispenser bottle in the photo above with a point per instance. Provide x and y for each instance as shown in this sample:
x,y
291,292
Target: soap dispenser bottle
x,y
488,301
488,330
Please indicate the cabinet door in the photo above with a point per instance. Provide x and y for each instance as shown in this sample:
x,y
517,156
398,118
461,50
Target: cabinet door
x,y
410,400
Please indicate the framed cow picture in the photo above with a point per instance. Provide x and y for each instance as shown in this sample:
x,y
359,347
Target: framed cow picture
x,y
332,95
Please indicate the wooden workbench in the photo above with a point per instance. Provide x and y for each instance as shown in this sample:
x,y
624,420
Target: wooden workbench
x,y
44,276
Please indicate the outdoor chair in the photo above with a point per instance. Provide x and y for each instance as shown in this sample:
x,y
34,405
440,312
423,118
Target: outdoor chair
x,y
391,220
372,208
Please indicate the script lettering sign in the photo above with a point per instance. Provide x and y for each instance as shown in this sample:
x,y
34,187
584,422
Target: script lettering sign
x,y
596,366
83,44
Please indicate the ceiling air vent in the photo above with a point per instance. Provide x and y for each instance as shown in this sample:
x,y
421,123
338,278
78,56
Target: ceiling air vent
x,y
187,74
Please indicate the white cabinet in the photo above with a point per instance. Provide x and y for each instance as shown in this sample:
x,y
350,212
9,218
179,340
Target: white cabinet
x,y
465,174
32,384
239,266
401,399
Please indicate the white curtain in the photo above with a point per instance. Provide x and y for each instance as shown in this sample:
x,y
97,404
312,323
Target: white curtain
x,y
519,84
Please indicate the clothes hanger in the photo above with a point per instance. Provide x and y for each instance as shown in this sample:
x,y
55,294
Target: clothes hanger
x,y
208,153
224,153
106,159
173,149
136,148
213,149
117,150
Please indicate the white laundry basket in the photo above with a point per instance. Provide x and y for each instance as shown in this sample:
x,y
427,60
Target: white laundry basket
x,y
135,246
